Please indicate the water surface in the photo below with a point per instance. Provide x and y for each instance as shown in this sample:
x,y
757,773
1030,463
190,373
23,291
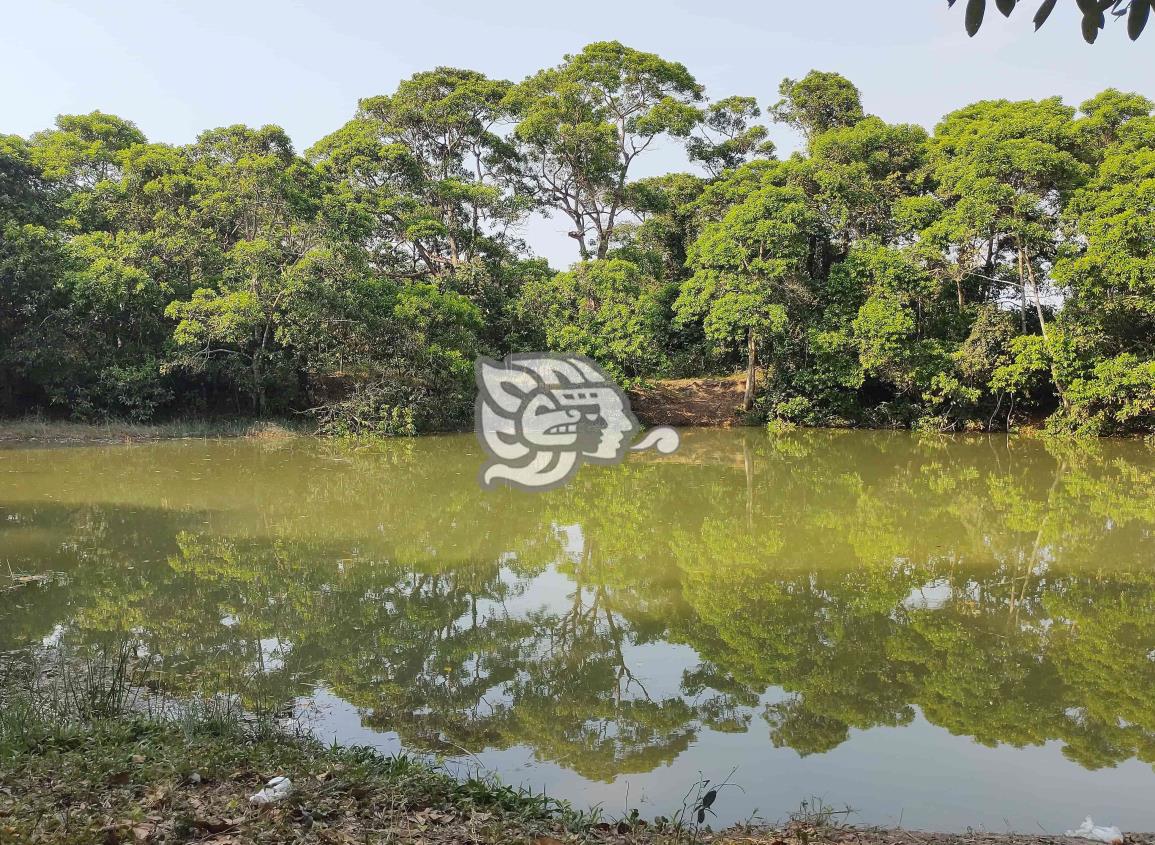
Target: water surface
x,y
942,632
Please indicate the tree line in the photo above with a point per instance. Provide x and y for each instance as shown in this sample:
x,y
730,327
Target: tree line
x,y
998,270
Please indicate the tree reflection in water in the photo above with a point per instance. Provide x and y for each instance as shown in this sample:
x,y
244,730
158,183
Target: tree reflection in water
x,y
1004,589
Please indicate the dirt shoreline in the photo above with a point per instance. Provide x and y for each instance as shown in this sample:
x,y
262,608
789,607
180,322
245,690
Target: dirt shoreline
x,y
711,401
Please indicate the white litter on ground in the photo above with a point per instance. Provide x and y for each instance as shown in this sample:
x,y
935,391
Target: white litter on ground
x,y
275,790
1089,830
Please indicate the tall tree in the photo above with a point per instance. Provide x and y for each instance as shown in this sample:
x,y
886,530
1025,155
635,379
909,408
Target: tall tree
x,y
864,174
1107,276
425,173
32,259
261,200
749,273
817,103
727,136
583,125
1003,170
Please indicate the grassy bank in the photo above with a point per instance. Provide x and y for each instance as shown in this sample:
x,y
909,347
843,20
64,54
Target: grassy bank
x,y
92,752
37,430
146,780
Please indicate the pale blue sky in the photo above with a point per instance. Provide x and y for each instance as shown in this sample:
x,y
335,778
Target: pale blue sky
x,y
179,68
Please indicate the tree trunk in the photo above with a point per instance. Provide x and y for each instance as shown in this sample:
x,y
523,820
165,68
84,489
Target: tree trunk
x,y
605,234
1022,292
579,236
258,385
751,370
1043,328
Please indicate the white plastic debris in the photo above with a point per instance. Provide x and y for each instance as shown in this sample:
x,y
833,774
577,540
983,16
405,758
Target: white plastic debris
x,y
275,790
1089,830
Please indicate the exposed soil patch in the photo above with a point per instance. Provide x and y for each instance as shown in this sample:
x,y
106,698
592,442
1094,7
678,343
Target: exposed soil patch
x,y
707,401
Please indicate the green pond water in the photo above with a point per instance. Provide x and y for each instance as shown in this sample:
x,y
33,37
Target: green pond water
x,y
938,632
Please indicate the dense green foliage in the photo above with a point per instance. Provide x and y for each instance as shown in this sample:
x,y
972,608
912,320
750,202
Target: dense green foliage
x,y
999,269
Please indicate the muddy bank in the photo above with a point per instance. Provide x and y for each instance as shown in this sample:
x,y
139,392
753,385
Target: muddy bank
x,y
713,402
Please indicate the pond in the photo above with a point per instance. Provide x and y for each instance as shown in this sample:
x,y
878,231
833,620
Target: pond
x,y
938,632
